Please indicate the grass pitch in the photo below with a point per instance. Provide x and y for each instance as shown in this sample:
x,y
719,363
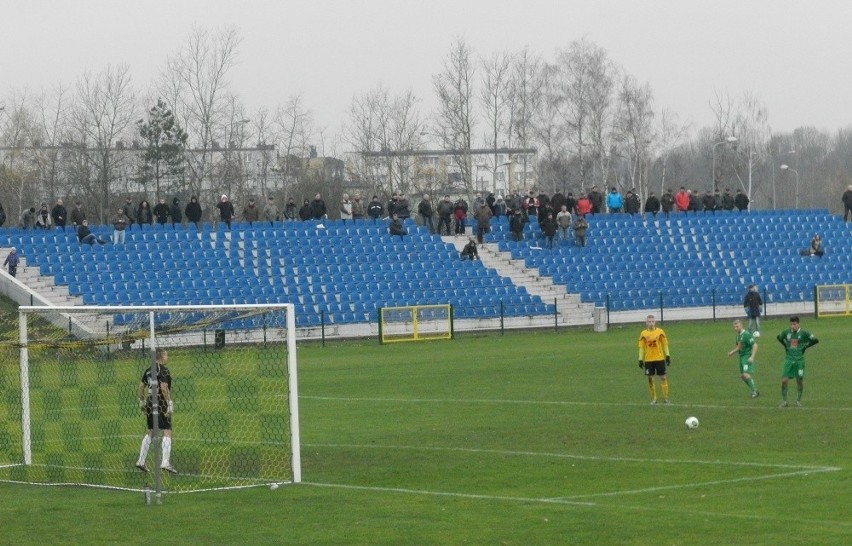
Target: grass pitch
x,y
528,438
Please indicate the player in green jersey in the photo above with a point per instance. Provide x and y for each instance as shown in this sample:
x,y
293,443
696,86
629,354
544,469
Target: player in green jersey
x,y
795,342
746,347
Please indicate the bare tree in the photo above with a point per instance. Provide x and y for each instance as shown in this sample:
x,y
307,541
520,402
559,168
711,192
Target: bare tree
x,y
103,113
635,121
495,96
18,176
196,80
670,134
548,131
455,120
751,127
52,114
527,98
585,95
294,130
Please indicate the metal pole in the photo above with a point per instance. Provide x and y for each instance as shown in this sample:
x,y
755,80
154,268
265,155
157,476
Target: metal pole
x,y
154,393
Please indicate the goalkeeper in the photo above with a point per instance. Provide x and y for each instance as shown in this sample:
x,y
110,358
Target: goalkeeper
x,y
165,406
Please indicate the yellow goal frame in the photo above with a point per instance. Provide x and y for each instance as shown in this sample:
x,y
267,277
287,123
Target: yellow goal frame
x,y
833,300
415,323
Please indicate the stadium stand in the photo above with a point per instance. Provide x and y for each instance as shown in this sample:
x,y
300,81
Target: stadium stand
x,y
692,259
341,273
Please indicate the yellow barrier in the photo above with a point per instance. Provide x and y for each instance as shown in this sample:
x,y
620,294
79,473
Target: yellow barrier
x,y
415,323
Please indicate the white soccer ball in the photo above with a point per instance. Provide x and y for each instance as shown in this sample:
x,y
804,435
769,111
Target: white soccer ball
x,y
691,422
756,334
273,486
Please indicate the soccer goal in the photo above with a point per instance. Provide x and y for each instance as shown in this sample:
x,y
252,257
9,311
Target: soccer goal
x,y
415,323
71,412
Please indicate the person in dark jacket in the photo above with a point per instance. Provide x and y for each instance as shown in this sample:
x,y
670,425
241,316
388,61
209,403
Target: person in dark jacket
x,y
59,214
667,202
162,212
424,209
741,201
728,200
144,215
548,229
652,204
193,211
318,208
375,209
175,212
305,211
226,210
396,228
291,212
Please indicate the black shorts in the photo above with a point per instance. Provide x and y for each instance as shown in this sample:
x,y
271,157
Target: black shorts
x,y
163,422
657,367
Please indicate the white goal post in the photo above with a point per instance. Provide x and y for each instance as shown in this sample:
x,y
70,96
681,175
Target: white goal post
x,y
234,389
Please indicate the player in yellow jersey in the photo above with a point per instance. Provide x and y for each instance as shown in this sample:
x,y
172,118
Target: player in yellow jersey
x,y
654,357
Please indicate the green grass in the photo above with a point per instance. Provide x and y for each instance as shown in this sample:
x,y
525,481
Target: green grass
x,y
529,438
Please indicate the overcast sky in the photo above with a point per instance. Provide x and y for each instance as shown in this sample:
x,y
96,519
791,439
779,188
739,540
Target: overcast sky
x,y
794,55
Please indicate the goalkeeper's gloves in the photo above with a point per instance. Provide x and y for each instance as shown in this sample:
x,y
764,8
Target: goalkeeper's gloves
x,y
142,405
170,407
641,364
668,360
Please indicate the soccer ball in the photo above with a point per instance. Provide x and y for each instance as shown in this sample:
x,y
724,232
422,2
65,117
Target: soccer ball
x,y
756,334
691,422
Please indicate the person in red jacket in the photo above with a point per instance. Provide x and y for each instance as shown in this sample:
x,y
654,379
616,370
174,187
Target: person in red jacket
x,y
682,200
584,205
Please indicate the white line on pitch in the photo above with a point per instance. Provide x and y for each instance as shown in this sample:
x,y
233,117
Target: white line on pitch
x,y
772,407
697,484
798,468
448,494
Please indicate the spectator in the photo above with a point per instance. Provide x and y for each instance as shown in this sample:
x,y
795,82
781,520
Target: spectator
x,y
681,199
251,213
847,203
193,211
548,229
667,202
753,306
517,219
708,202
469,252
130,212
162,212
477,202
445,214
614,201
290,210
43,218
491,200
652,204
2,216
557,201
78,214
175,212
717,200
483,221
424,209
59,214
581,225
741,201
402,207
571,203
563,222
85,236
226,210
632,205
460,215
513,202
359,209
531,204
392,202
596,198
28,218
396,227
270,211
305,211
727,200
345,208
694,200
12,261
544,209
584,205
499,207
318,208
144,215
816,247
119,224
375,209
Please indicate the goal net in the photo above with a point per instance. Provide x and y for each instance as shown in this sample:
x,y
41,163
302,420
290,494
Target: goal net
x,y
415,323
70,382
